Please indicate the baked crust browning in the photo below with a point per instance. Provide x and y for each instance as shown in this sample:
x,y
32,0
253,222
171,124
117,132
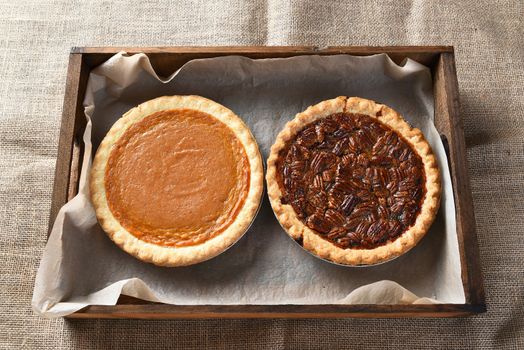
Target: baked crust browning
x,y
328,225
202,249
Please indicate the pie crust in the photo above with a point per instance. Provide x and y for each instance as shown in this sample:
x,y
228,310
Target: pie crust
x,y
318,243
180,250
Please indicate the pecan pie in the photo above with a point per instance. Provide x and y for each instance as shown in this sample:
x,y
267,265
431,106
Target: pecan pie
x,y
177,180
352,182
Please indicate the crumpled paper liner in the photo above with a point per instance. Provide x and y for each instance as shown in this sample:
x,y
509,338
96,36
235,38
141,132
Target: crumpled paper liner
x,y
81,266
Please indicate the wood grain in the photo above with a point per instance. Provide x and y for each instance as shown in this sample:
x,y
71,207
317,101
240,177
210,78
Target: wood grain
x,y
267,51
449,122
163,311
166,60
67,164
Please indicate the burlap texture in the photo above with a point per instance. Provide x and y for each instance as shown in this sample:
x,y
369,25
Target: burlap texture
x,y
488,37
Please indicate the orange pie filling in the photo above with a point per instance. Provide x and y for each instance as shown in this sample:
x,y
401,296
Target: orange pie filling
x,y
353,180
177,178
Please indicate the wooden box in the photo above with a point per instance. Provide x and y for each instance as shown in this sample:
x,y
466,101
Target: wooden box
x,y
167,60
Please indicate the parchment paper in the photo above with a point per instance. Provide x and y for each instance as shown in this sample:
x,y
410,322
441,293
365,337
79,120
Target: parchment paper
x,y
81,266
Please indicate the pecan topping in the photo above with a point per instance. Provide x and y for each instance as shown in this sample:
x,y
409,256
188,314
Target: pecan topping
x,y
353,180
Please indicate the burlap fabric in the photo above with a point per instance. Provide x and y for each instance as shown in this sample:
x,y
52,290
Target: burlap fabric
x,y
35,38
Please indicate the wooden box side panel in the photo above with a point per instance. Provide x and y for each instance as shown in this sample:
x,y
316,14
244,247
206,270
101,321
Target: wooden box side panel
x,y
166,60
67,170
163,311
449,124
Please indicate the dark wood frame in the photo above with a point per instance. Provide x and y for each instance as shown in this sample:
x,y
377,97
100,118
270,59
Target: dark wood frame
x,y
166,60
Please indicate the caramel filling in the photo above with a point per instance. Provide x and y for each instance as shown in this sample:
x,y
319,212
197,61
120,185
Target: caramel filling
x,y
177,178
353,180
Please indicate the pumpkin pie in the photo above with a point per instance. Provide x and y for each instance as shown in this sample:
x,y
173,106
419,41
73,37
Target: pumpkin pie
x,y
353,182
177,180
